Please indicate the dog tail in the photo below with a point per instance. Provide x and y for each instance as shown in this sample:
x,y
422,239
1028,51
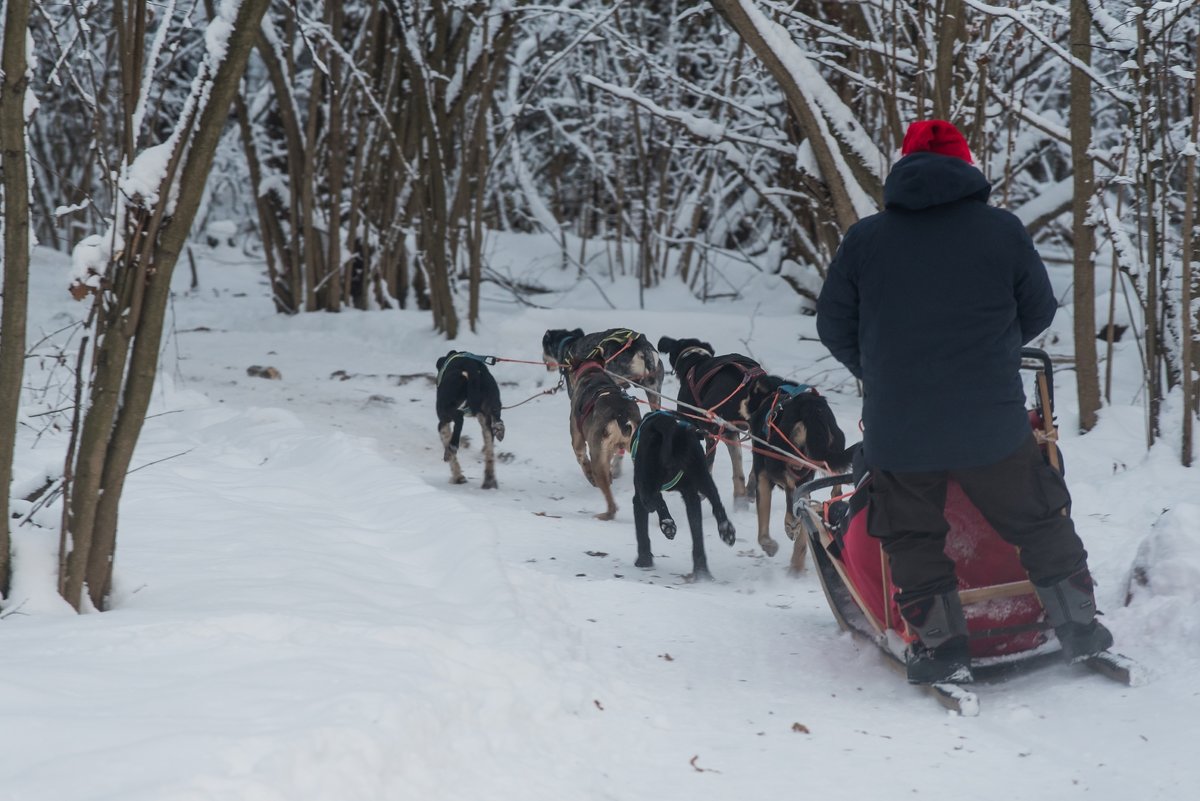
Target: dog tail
x,y
627,423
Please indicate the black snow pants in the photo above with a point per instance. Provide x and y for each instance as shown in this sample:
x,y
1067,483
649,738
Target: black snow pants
x,y
1022,497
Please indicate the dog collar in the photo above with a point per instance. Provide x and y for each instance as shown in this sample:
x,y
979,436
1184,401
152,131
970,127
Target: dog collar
x,y
561,355
688,350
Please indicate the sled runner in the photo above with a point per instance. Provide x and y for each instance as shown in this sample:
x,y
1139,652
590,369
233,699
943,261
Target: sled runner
x,y
1004,616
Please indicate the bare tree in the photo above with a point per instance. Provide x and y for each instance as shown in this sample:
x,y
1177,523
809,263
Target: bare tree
x,y
15,165
1087,372
131,295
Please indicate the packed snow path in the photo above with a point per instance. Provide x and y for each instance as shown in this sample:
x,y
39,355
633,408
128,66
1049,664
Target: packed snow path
x,y
307,609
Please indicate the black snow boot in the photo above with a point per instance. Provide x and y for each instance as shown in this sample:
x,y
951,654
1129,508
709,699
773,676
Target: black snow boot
x,y
941,654
1071,609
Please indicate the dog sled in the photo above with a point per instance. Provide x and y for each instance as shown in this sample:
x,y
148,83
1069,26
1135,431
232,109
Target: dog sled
x,y
1005,621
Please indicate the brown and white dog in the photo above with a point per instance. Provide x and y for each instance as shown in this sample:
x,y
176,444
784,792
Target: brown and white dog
x,y
603,419
796,420
730,386
623,352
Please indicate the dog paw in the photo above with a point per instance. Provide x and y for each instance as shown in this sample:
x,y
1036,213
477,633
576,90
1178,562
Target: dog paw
x,y
770,547
490,483
668,528
644,561
792,529
701,574
458,480
725,529
607,515
498,430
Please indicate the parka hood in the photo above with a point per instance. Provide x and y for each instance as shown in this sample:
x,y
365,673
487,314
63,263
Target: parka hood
x,y
923,180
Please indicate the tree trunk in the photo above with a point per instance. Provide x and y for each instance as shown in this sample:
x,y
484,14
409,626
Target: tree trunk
x,y
331,292
1189,322
15,166
949,28
93,524
1087,372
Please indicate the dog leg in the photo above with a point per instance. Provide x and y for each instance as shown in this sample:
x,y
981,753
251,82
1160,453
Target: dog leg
x,y
691,501
666,523
489,452
641,528
763,491
795,530
740,501
602,447
799,552
709,490
617,460
579,445
656,383
791,524
449,432
604,483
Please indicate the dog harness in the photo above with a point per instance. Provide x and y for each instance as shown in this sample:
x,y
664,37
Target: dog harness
x,y
622,337
461,354
633,446
749,369
588,407
787,392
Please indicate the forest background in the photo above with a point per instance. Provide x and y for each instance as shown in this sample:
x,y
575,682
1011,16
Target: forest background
x,y
367,149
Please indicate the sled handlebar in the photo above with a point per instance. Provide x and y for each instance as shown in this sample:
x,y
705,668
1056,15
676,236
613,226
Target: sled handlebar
x,y
1043,363
805,490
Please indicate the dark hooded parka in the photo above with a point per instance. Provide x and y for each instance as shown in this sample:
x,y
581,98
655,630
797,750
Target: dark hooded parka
x,y
929,303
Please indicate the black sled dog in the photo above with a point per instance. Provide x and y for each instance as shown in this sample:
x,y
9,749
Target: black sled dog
x,y
624,352
603,419
465,386
668,456
804,437
730,386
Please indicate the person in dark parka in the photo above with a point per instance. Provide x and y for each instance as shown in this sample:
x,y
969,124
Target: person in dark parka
x,y
929,303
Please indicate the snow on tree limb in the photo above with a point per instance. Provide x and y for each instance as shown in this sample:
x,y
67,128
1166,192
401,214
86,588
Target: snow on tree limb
x,y
822,115
703,129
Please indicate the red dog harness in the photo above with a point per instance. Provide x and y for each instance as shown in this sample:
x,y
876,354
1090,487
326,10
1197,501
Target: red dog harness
x,y
749,369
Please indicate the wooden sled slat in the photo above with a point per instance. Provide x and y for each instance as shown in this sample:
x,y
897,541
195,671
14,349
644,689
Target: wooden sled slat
x,y
1009,590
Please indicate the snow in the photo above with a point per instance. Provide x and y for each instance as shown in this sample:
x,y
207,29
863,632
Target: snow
x,y
144,177
219,29
305,608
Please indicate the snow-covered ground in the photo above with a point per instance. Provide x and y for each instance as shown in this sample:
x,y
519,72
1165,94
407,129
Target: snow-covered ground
x,y
305,608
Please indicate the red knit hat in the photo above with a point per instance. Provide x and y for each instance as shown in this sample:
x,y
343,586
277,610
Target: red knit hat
x,y
936,136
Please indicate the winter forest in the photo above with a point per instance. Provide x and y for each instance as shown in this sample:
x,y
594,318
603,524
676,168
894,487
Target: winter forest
x,y
302,607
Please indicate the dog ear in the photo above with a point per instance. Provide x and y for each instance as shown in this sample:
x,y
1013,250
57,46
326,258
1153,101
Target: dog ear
x,y
576,332
666,344
445,358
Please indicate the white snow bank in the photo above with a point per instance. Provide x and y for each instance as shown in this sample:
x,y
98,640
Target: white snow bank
x,y
1164,584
